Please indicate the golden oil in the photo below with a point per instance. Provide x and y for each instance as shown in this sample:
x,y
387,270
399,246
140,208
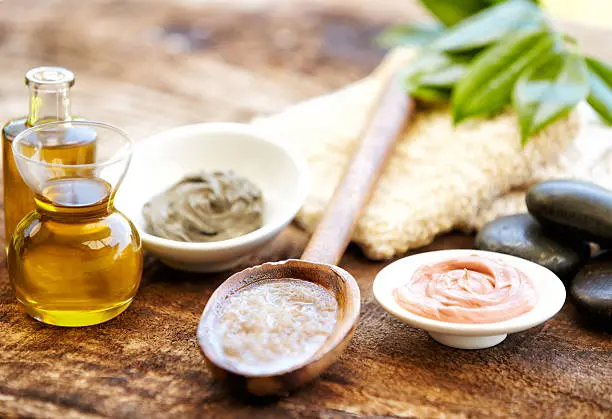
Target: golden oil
x,y
49,101
75,261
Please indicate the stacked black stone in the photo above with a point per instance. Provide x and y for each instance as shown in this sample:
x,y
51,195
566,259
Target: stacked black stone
x,y
564,216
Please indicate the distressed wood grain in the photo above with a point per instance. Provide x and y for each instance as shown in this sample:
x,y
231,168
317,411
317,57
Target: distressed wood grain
x,y
148,65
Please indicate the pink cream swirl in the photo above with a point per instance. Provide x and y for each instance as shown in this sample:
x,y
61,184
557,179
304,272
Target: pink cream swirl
x,y
469,289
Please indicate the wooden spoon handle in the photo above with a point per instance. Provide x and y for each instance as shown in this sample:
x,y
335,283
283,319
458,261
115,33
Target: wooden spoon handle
x,y
333,234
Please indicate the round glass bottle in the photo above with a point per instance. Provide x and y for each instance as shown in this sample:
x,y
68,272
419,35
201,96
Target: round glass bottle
x,y
75,260
49,101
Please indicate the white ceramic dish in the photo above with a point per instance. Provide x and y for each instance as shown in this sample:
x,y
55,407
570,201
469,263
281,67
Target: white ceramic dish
x,y
163,159
549,288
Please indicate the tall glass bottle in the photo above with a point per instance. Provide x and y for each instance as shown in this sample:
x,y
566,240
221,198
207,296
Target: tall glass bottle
x,y
49,101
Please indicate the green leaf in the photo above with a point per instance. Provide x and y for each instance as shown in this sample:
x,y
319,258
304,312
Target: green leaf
x,y
600,81
491,25
435,69
548,90
409,34
431,95
487,86
450,12
446,76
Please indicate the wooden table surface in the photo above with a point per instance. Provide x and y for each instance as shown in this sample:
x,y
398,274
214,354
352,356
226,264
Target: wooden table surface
x,y
149,65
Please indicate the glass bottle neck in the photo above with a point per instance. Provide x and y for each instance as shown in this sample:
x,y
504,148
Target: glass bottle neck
x,y
73,213
49,103
75,198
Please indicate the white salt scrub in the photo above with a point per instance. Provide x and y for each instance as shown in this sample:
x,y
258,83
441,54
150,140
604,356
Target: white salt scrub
x,y
275,324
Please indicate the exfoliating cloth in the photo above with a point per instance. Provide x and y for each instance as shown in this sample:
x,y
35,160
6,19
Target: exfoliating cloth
x,y
440,177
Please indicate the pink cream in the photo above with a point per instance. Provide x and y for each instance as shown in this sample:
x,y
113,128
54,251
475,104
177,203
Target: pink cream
x,y
469,289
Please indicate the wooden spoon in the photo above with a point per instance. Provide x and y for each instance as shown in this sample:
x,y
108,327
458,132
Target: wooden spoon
x,y
323,252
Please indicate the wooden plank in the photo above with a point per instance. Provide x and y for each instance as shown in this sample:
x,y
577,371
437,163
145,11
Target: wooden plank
x,y
148,65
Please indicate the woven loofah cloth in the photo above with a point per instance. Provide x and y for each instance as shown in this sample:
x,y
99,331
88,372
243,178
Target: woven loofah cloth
x,y
440,177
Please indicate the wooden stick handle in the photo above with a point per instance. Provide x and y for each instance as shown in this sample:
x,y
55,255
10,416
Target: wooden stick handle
x,y
333,234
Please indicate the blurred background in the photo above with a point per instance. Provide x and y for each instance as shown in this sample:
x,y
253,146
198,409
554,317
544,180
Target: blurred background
x,y
147,65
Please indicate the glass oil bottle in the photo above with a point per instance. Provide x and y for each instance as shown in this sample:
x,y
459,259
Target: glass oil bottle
x,y
74,260
49,101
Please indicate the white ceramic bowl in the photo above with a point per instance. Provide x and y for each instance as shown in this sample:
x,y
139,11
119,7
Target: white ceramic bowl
x,y
163,159
549,288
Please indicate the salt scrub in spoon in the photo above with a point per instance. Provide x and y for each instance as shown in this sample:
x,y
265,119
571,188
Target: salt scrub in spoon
x,y
273,324
469,289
